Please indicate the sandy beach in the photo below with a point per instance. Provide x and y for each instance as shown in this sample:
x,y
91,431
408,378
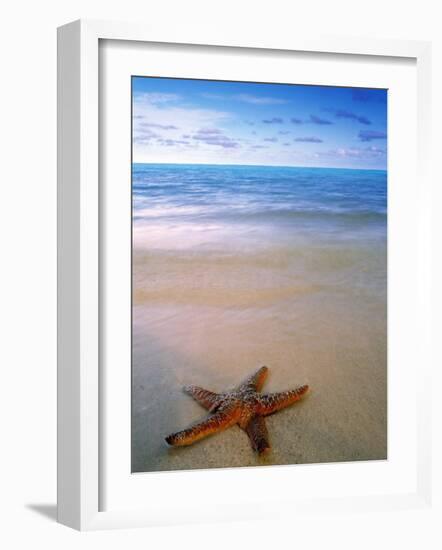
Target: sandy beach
x,y
215,298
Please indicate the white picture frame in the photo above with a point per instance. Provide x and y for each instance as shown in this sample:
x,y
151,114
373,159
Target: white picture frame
x,y
79,265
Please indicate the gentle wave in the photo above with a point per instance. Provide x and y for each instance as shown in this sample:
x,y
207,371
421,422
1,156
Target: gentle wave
x,y
188,214
182,194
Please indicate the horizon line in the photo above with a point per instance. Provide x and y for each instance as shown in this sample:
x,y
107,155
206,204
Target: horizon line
x,y
261,165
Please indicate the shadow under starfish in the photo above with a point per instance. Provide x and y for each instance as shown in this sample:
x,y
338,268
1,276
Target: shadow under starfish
x,y
244,406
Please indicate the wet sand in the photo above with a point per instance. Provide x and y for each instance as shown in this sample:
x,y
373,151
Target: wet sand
x,y
313,311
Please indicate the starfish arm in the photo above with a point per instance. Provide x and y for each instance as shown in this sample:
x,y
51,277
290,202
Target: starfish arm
x,y
257,431
204,397
256,381
272,402
215,423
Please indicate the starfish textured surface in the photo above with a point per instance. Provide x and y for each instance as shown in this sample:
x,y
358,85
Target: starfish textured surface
x,y
244,405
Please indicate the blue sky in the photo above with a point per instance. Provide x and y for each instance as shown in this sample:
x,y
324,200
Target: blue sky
x,y
214,122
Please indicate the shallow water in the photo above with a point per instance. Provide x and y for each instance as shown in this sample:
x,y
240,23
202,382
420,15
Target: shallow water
x,y
237,267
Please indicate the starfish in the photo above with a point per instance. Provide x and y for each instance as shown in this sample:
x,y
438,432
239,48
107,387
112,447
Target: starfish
x,y
244,406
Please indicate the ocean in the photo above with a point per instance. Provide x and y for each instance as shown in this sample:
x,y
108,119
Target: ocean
x,y
235,267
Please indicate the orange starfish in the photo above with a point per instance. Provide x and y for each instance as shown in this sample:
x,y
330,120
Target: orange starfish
x,y
243,406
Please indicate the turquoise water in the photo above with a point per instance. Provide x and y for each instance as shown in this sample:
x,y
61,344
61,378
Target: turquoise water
x,y
322,199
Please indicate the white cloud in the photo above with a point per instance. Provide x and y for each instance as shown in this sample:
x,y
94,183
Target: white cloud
x,y
160,121
154,98
259,100
355,152
246,98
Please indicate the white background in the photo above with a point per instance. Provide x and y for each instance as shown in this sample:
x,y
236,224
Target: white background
x,y
28,246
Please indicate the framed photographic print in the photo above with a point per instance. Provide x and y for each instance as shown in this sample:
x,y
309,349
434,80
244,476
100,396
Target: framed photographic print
x,y
237,235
